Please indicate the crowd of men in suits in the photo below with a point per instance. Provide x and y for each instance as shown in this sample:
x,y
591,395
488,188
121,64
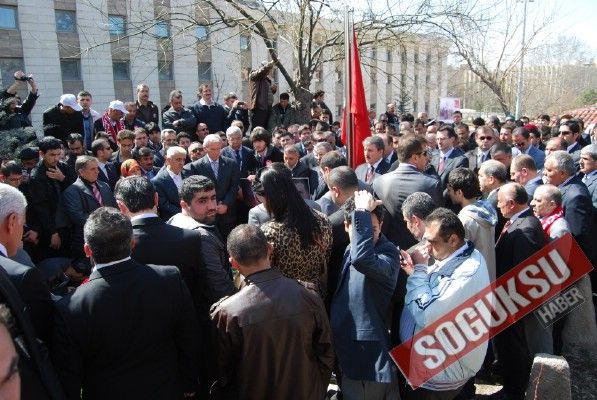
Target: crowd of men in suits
x,y
166,291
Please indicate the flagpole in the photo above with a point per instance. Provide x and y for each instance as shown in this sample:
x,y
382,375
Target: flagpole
x,y
347,86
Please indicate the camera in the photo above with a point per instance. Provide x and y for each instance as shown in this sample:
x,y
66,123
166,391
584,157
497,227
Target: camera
x,y
24,78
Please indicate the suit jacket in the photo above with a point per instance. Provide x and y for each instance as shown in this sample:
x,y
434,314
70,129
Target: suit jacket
x,y
309,160
272,155
79,203
492,198
39,380
578,212
591,184
248,164
359,307
473,161
113,174
575,153
154,353
361,170
532,185
537,155
392,189
168,199
226,182
340,241
456,159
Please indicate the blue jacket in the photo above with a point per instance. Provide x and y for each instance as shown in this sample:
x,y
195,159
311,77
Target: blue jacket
x,y
360,304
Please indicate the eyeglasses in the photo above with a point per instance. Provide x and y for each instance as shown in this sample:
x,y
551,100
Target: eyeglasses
x,y
565,132
486,138
202,129
197,150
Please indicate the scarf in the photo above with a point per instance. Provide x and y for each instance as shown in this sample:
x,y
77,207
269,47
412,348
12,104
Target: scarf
x,y
548,221
112,129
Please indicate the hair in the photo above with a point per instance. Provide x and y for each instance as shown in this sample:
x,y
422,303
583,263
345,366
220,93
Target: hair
x,y
376,141
152,127
262,134
485,129
344,178
284,96
573,125
125,134
166,132
409,146
560,140
500,147
323,145
496,169
591,150
74,137
332,159
108,233
182,135
449,223
175,94
564,162
11,168
451,133
126,167
141,86
291,149
519,195
84,93
142,152
136,192
522,131
12,201
465,180
211,138
233,130
97,145
419,204
140,130
552,193
523,161
408,117
247,244
49,143
286,205
202,87
82,161
349,207
194,184
322,126
457,112
318,94
175,150
478,121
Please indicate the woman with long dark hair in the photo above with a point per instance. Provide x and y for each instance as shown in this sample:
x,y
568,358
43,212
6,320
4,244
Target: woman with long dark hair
x,y
301,237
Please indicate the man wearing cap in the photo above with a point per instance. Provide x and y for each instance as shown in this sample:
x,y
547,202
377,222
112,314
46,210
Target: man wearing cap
x,y
209,112
111,122
64,118
236,110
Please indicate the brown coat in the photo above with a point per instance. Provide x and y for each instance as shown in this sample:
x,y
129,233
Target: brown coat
x,y
260,86
273,341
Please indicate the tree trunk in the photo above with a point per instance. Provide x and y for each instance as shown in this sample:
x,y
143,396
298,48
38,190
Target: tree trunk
x,y
303,99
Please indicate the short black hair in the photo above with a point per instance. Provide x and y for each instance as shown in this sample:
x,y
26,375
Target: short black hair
x,y
344,178
284,96
349,207
260,133
74,137
573,125
500,147
97,145
11,168
465,180
450,130
108,233
136,192
247,244
419,204
49,143
332,159
409,146
478,121
522,131
152,126
181,135
142,152
449,223
520,194
193,184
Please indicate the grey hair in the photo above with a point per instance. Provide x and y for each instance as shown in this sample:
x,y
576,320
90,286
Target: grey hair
x,y
590,149
376,141
212,138
82,161
496,169
175,94
291,149
12,201
419,204
551,193
108,233
323,145
563,161
233,130
166,132
175,150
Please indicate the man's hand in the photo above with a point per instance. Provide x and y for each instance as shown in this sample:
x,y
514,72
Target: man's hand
x,y
55,241
33,84
420,255
222,208
175,123
55,173
364,200
406,262
274,88
31,236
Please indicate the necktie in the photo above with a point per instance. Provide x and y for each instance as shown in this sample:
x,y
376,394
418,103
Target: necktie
x,y
504,229
370,173
239,159
483,157
442,164
97,194
214,167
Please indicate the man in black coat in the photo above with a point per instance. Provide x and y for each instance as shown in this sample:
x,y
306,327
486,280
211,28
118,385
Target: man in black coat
x,y
521,237
109,172
447,159
29,303
167,182
83,197
64,118
115,337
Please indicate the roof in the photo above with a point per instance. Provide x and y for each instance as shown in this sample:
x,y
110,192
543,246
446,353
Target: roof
x,y
587,114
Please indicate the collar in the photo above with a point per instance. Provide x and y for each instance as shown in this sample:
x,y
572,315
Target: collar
x,y
479,152
570,147
101,164
173,175
204,103
99,266
590,174
518,214
212,161
447,153
376,164
566,181
439,264
493,191
3,250
144,215
407,165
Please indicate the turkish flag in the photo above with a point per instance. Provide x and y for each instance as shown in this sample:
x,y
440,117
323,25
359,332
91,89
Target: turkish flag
x,y
358,116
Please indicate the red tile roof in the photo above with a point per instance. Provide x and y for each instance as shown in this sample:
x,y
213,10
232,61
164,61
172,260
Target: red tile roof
x,y
587,114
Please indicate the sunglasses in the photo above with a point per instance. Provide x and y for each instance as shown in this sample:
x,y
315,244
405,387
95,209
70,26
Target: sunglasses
x,y
197,150
486,138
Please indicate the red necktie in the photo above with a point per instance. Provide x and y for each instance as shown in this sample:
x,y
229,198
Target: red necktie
x,y
97,194
370,173
442,164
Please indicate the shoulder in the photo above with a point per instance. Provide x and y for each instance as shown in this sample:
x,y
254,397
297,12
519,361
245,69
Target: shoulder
x,y
13,268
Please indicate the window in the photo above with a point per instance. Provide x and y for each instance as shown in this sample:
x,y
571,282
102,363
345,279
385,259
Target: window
x,y
8,17
204,71
403,57
71,70
162,29
201,33
165,71
388,78
121,70
66,21
8,67
245,42
116,25
388,55
373,76
374,54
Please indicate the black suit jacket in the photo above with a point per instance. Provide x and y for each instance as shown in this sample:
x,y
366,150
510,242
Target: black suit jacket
x,y
39,380
340,241
113,174
522,239
456,159
248,164
168,199
578,212
128,333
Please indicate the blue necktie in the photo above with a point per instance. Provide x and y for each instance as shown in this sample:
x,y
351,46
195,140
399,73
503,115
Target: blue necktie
x,y
239,159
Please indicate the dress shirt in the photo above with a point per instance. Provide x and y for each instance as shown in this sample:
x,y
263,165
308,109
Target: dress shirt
x,y
438,264
481,154
176,178
587,176
101,265
375,165
515,216
3,250
144,215
446,154
102,166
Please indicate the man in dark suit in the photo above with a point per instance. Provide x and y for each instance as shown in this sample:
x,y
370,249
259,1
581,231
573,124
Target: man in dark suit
x,y
492,176
524,171
393,188
588,166
375,164
83,197
108,170
520,238
24,293
485,138
447,159
570,132
243,155
168,181
225,173
114,337
300,169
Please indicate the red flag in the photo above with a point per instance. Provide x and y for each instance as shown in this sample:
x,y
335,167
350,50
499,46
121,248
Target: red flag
x,y
358,112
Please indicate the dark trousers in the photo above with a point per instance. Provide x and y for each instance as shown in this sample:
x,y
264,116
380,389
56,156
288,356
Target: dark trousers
x,y
514,359
259,118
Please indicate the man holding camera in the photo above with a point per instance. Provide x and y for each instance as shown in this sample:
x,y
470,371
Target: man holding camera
x,y
16,115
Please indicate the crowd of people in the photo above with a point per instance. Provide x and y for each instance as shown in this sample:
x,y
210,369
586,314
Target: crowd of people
x,y
230,252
